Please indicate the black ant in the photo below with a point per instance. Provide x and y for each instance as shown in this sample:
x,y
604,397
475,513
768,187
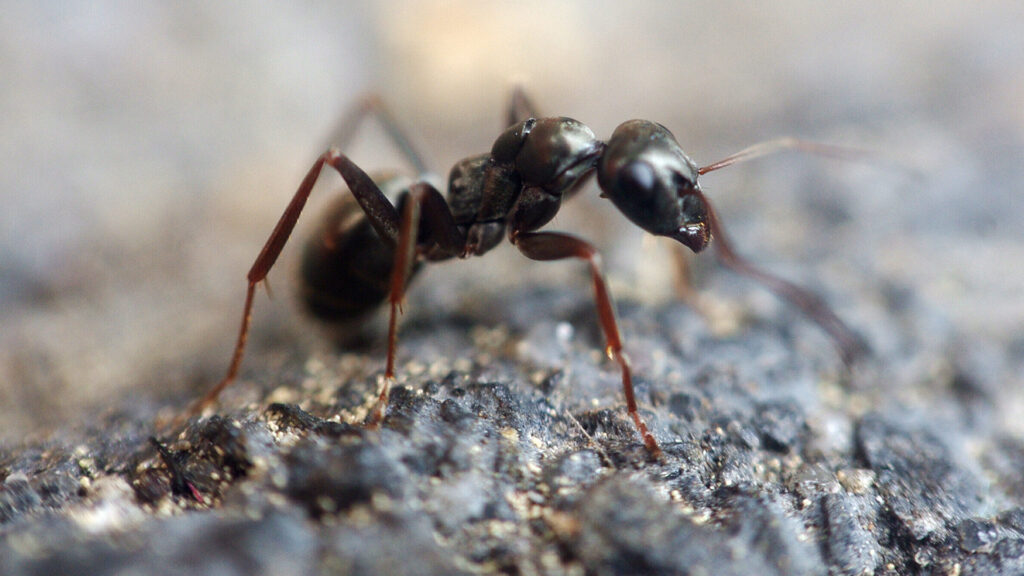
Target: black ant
x,y
367,251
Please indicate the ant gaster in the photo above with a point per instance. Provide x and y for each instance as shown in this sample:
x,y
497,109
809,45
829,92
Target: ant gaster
x,y
365,252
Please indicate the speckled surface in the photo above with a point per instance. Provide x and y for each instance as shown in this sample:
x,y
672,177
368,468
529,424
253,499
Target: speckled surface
x,y
507,448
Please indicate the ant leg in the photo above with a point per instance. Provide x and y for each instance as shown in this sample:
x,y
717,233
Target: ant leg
x,y
851,346
382,215
441,231
405,256
682,280
372,105
557,246
520,107
720,318
440,237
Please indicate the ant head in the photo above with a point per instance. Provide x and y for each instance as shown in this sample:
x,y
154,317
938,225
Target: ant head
x,y
647,176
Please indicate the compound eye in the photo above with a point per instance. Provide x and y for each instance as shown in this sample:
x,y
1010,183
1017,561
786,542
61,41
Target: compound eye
x,y
637,178
641,195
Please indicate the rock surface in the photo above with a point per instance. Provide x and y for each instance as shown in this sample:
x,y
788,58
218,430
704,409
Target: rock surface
x,y
505,467
506,448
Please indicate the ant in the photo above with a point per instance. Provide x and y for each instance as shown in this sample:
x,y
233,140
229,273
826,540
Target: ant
x,y
366,251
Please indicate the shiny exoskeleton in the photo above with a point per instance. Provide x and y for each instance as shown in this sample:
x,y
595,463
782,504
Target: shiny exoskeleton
x,y
366,251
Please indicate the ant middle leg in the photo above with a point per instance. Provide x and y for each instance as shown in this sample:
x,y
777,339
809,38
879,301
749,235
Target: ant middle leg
x,y
520,106
424,210
558,246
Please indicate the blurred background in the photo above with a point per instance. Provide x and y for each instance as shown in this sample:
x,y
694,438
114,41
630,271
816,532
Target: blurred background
x,y
148,150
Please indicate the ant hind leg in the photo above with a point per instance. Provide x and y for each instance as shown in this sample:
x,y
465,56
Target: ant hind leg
x,y
382,216
373,106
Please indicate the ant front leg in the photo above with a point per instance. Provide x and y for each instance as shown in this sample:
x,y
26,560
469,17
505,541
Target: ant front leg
x,y
382,216
557,246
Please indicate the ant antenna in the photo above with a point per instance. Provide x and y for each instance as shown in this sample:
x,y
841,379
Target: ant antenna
x,y
845,153
782,144
850,345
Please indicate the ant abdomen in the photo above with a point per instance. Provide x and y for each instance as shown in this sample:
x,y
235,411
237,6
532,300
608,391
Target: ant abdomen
x,y
345,267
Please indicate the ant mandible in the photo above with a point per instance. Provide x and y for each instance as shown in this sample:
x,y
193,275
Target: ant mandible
x,y
367,251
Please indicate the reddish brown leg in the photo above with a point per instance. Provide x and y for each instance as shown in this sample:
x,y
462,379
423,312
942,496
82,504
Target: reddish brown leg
x,y
372,106
520,107
683,277
405,255
557,246
443,239
378,208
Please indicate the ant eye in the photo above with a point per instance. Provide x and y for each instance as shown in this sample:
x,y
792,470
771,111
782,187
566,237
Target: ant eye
x,y
637,177
641,195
